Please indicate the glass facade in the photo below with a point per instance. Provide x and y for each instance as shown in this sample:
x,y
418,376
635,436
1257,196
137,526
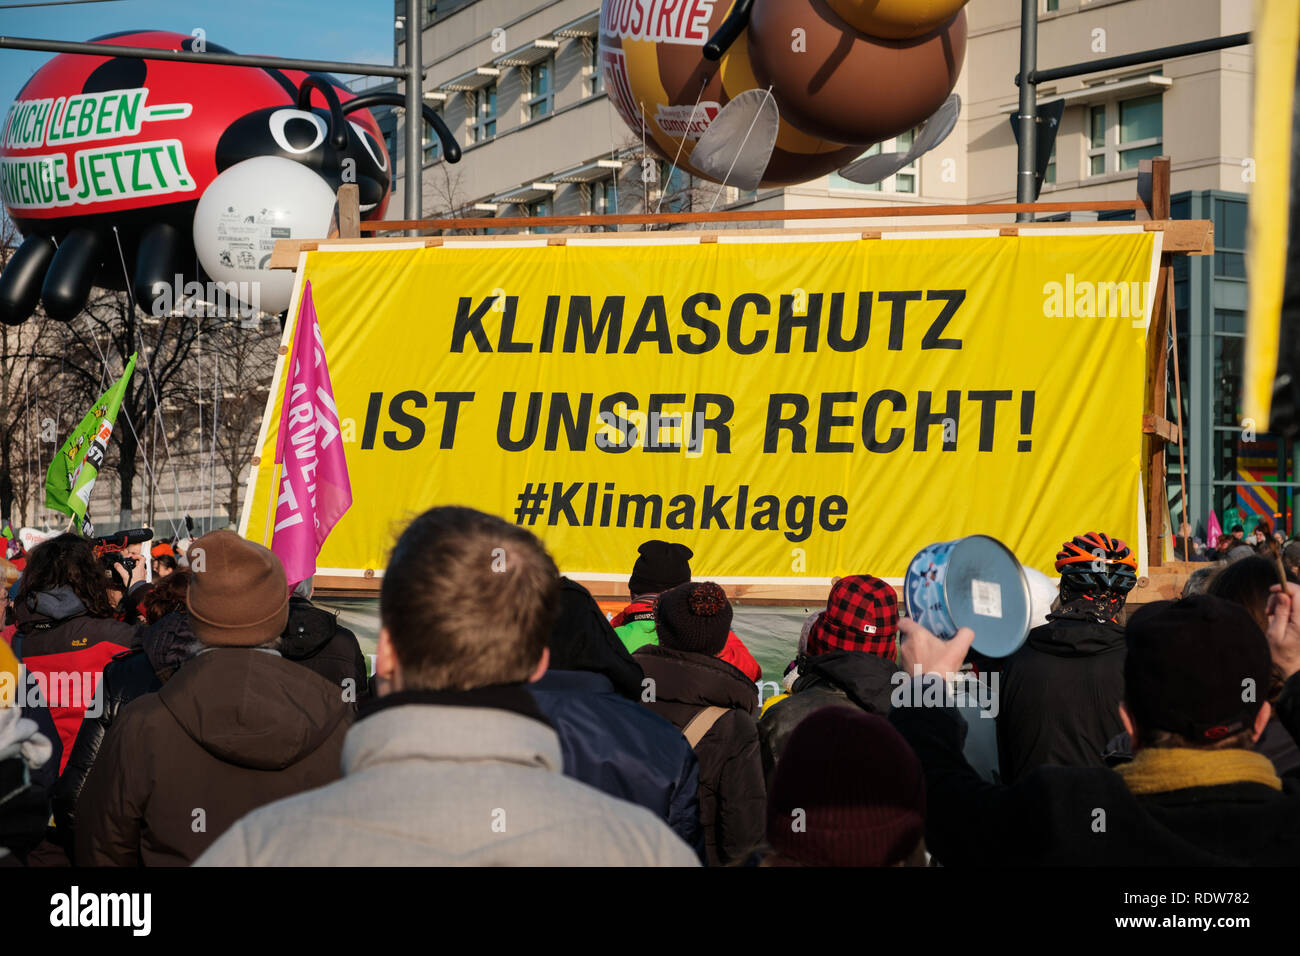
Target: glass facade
x,y
1242,474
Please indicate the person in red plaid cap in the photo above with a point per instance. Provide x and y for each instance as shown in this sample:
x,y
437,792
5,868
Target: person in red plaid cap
x,y
848,661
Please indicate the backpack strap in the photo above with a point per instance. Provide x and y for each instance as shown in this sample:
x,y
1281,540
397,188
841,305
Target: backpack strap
x,y
701,723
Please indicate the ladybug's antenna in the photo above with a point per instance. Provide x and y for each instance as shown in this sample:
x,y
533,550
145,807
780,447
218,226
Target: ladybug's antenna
x,y
338,124
450,148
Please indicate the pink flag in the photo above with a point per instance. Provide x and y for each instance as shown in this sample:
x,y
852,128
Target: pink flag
x,y
314,487
1215,531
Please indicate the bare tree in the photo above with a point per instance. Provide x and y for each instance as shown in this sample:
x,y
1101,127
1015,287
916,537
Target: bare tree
x,y
653,185
221,402
29,390
26,430
92,350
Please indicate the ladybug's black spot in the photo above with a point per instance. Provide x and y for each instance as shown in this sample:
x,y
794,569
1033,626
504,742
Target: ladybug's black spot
x,y
119,73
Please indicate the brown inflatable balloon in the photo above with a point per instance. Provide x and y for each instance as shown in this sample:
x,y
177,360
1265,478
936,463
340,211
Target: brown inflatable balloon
x,y
846,86
896,19
659,80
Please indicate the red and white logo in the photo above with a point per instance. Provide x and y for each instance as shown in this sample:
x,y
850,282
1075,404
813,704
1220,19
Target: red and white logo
x,y
662,21
687,122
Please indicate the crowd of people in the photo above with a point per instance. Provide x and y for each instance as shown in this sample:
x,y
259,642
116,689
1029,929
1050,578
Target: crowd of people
x,y
215,716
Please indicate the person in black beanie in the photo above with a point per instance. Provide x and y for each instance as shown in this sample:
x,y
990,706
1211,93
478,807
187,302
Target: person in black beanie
x,y
663,565
660,565
713,704
590,694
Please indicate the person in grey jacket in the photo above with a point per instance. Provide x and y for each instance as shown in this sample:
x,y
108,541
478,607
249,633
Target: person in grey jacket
x,y
455,765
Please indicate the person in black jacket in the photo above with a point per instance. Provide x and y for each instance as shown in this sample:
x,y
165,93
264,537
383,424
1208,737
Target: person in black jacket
x,y
848,662
315,639
713,704
1196,794
1247,582
1060,693
590,695
166,643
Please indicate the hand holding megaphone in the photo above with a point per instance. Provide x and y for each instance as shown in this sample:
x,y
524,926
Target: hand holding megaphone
x,y
924,653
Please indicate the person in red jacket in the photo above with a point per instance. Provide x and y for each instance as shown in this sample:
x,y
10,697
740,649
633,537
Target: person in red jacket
x,y
662,565
66,630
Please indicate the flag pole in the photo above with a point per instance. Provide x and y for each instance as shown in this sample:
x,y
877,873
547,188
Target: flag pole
x,y
290,356
270,504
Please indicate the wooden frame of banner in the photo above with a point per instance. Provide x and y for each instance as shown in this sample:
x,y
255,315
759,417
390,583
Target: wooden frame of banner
x,y
1151,208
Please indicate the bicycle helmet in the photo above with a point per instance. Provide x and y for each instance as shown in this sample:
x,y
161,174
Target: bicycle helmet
x,y
1096,561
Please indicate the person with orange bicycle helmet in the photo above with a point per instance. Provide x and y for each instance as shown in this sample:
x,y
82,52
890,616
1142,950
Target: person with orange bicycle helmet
x,y
1097,572
1060,692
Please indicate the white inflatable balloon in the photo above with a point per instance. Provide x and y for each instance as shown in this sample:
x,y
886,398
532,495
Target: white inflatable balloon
x,y
245,210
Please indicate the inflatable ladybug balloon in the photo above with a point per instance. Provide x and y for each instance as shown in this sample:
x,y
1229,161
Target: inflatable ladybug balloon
x,y
775,92
105,160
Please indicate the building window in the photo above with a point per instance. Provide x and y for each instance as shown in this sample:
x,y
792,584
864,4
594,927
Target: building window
x,y
432,145
1051,6
594,76
1096,140
1122,134
541,89
540,208
675,189
1141,124
602,199
484,113
1230,239
903,181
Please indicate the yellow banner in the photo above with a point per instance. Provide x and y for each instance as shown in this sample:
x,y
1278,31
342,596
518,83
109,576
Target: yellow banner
x,y
789,410
1275,39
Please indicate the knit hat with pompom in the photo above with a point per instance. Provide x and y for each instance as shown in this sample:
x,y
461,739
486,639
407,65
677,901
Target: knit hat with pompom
x,y
694,617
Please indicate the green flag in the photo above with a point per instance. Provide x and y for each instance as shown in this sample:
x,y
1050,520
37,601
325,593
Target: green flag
x,y
72,474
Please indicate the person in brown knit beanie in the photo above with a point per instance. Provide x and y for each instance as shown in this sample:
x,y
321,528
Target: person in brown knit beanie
x,y
849,791
694,617
237,726
238,595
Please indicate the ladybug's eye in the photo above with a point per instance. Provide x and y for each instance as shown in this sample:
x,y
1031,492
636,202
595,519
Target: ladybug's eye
x,y
372,147
297,131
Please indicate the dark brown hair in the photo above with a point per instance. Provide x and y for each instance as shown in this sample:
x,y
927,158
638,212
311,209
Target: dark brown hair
x,y
66,561
167,595
468,600
1247,582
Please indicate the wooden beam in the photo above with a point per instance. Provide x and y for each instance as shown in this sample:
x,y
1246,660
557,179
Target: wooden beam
x,y
1157,202
1162,584
1161,426
752,215
349,211
1187,236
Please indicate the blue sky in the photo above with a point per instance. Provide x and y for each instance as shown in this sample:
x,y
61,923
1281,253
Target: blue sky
x,y
353,30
